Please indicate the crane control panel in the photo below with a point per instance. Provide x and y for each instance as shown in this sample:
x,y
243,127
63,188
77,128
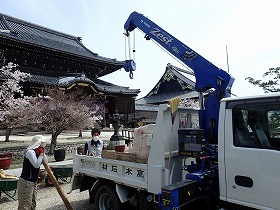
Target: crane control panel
x,y
190,141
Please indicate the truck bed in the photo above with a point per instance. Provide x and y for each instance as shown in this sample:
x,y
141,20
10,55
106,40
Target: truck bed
x,y
162,167
124,172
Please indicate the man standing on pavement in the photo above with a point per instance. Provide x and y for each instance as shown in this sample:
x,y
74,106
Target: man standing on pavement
x,y
94,146
27,183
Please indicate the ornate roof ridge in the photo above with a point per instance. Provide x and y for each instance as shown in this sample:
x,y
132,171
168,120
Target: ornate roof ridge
x,y
172,74
44,37
37,26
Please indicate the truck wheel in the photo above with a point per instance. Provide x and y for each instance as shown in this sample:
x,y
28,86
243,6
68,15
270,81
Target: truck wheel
x,y
107,199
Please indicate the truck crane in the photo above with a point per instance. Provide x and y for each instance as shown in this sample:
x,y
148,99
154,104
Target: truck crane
x,y
207,75
240,172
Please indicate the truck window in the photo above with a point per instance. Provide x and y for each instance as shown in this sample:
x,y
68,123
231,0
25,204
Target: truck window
x,y
256,126
274,123
241,130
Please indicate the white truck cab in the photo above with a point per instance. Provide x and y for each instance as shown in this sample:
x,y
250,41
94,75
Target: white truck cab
x,y
249,151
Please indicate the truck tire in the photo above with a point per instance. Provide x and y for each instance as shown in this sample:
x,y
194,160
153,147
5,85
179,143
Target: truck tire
x,y
106,198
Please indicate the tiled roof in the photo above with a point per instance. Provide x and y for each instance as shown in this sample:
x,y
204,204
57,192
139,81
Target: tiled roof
x,y
164,97
111,88
65,80
146,107
29,33
172,84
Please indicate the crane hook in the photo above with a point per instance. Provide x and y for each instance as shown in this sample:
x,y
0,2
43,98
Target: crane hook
x,y
130,66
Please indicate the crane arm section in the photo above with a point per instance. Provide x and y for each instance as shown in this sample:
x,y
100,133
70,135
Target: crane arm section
x,y
207,74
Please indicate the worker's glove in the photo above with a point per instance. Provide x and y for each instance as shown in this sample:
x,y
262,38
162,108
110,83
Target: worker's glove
x,y
40,150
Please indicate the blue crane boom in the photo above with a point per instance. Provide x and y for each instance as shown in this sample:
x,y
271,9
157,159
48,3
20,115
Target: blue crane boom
x,y
207,75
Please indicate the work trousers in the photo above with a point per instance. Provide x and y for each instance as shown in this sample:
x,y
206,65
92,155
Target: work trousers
x,y
27,194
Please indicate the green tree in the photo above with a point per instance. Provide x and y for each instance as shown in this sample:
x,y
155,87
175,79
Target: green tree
x,y
274,123
271,84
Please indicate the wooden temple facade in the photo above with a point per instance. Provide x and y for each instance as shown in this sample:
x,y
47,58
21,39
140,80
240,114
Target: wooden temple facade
x,y
56,59
173,83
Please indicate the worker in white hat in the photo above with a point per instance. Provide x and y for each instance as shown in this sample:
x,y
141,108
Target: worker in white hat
x,y
27,184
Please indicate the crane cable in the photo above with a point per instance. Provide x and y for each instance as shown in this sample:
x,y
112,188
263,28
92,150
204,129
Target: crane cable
x,y
168,53
173,56
125,50
128,44
134,44
127,37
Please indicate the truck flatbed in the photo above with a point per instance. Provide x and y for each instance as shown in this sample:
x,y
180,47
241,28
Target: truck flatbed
x,y
132,173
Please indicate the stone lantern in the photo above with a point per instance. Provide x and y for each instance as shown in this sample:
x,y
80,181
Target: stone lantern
x,y
116,138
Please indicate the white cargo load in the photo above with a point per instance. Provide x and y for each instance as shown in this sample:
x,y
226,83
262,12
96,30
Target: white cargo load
x,y
142,140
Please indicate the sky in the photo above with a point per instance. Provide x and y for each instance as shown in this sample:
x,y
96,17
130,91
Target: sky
x,y
245,31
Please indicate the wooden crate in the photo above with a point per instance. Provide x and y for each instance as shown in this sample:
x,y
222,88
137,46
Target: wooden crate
x,y
124,156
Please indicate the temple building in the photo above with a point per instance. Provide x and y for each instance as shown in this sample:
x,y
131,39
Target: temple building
x,y
173,83
54,58
61,60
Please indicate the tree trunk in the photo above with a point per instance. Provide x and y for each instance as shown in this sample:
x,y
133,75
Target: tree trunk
x,y
80,134
53,143
8,133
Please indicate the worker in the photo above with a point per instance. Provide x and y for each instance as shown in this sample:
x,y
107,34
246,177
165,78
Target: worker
x,y
94,146
27,183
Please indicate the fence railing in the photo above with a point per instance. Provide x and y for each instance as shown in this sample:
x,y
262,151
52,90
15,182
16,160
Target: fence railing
x,y
128,134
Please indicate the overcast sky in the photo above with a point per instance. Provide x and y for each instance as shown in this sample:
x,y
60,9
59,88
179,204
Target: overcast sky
x,y
250,30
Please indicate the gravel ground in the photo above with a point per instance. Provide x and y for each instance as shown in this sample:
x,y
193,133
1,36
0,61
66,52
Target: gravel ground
x,y
49,199
23,139
65,137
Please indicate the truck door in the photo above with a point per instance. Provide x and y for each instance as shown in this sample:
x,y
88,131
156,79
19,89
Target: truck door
x,y
252,153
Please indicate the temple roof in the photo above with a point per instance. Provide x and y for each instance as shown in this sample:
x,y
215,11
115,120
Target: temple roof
x,y
172,84
146,107
26,33
66,80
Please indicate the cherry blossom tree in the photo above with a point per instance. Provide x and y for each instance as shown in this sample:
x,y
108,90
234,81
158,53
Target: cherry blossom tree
x,y
56,111
191,103
15,108
61,110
